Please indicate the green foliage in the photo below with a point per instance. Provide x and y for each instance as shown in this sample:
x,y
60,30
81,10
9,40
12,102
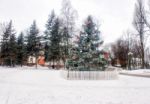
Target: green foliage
x,y
33,39
53,38
21,49
12,46
90,36
9,46
49,25
48,34
86,56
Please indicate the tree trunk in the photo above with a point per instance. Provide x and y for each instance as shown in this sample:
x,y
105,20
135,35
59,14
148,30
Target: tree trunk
x,y
36,62
143,56
53,64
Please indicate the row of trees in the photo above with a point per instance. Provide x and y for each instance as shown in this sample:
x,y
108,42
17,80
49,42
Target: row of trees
x,y
59,30
55,41
15,50
135,41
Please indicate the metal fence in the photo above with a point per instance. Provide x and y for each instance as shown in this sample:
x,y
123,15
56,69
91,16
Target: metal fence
x,y
89,75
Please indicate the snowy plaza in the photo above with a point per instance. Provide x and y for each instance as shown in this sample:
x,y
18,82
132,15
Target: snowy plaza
x,y
74,51
28,85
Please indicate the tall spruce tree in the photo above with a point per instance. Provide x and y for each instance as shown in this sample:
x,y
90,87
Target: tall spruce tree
x,y
48,33
55,42
49,24
90,34
21,51
12,50
89,43
46,54
53,39
33,41
8,45
86,55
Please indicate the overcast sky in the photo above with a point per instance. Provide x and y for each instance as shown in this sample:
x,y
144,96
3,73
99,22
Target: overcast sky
x,y
115,16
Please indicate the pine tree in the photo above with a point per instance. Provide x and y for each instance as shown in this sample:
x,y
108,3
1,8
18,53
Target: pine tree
x,y
49,24
86,55
48,33
33,41
90,34
46,54
8,37
21,51
12,50
89,42
55,40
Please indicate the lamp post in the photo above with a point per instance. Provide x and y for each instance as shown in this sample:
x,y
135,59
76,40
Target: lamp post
x,y
130,54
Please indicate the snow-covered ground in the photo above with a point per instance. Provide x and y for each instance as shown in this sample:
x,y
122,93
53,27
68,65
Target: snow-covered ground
x,y
137,72
43,86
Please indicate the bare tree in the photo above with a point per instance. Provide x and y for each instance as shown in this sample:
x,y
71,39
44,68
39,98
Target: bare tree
x,y
120,50
126,44
139,24
68,14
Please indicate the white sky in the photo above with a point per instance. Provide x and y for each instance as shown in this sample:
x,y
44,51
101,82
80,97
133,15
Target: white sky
x,y
115,16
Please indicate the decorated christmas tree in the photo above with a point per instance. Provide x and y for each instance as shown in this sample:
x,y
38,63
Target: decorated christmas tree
x,y
86,56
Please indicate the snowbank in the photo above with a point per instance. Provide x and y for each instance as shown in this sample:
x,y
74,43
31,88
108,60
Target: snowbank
x,y
139,71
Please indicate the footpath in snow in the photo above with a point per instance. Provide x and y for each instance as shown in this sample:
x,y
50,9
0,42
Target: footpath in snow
x,y
43,86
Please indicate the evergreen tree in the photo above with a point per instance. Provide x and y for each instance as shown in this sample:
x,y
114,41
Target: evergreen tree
x,y
55,41
21,54
33,39
88,44
49,24
48,34
53,38
86,55
46,54
12,50
90,36
8,41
